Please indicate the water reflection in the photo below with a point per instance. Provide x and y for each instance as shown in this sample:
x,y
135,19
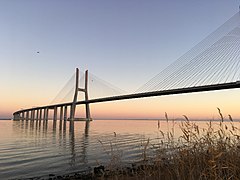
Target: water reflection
x,y
72,143
67,146
83,142
65,139
54,126
87,124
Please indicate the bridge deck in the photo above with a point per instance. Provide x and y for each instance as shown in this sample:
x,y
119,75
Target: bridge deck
x,y
213,87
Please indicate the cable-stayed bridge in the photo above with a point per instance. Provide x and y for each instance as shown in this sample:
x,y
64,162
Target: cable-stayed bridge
x,y
213,64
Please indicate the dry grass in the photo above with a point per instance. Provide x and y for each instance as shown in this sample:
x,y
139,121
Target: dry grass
x,y
199,153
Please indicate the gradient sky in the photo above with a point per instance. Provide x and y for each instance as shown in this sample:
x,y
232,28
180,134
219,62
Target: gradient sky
x,y
124,42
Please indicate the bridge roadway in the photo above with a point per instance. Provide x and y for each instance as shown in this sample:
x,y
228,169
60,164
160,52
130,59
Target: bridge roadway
x,y
204,88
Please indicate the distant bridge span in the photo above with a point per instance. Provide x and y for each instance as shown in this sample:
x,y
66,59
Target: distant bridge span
x,y
20,114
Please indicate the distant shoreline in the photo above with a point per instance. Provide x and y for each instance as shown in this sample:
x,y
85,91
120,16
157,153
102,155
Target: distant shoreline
x,y
149,119
177,119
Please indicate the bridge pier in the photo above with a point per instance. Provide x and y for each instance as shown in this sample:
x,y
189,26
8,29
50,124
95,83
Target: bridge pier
x,y
22,116
72,111
65,113
45,114
47,110
61,113
55,113
88,117
40,116
16,116
85,90
61,117
73,106
37,118
27,115
31,115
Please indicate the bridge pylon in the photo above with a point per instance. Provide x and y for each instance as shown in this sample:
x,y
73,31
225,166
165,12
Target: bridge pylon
x,y
75,97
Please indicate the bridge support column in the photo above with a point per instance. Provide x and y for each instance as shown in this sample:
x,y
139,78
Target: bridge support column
x,y
61,113
27,115
72,112
55,113
85,90
88,116
22,116
73,106
45,114
46,117
31,115
16,116
65,113
37,118
40,116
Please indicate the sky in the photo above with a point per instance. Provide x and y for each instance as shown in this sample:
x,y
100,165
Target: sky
x,y
124,42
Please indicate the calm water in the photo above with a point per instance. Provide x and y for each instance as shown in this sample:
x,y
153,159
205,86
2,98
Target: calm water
x,y
39,148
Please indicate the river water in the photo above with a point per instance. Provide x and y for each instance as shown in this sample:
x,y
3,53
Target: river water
x,y
39,148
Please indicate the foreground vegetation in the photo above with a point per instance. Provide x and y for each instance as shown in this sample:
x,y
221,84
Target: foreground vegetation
x,y
212,152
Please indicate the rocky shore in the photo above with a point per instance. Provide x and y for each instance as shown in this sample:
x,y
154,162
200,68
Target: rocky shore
x,y
100,172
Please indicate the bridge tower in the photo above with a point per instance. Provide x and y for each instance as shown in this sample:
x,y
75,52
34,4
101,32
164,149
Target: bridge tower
x,y
85,90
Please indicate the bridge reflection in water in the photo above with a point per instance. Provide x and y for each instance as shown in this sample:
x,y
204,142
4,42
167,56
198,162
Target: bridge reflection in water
x,y
53,147
60,134
38,148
